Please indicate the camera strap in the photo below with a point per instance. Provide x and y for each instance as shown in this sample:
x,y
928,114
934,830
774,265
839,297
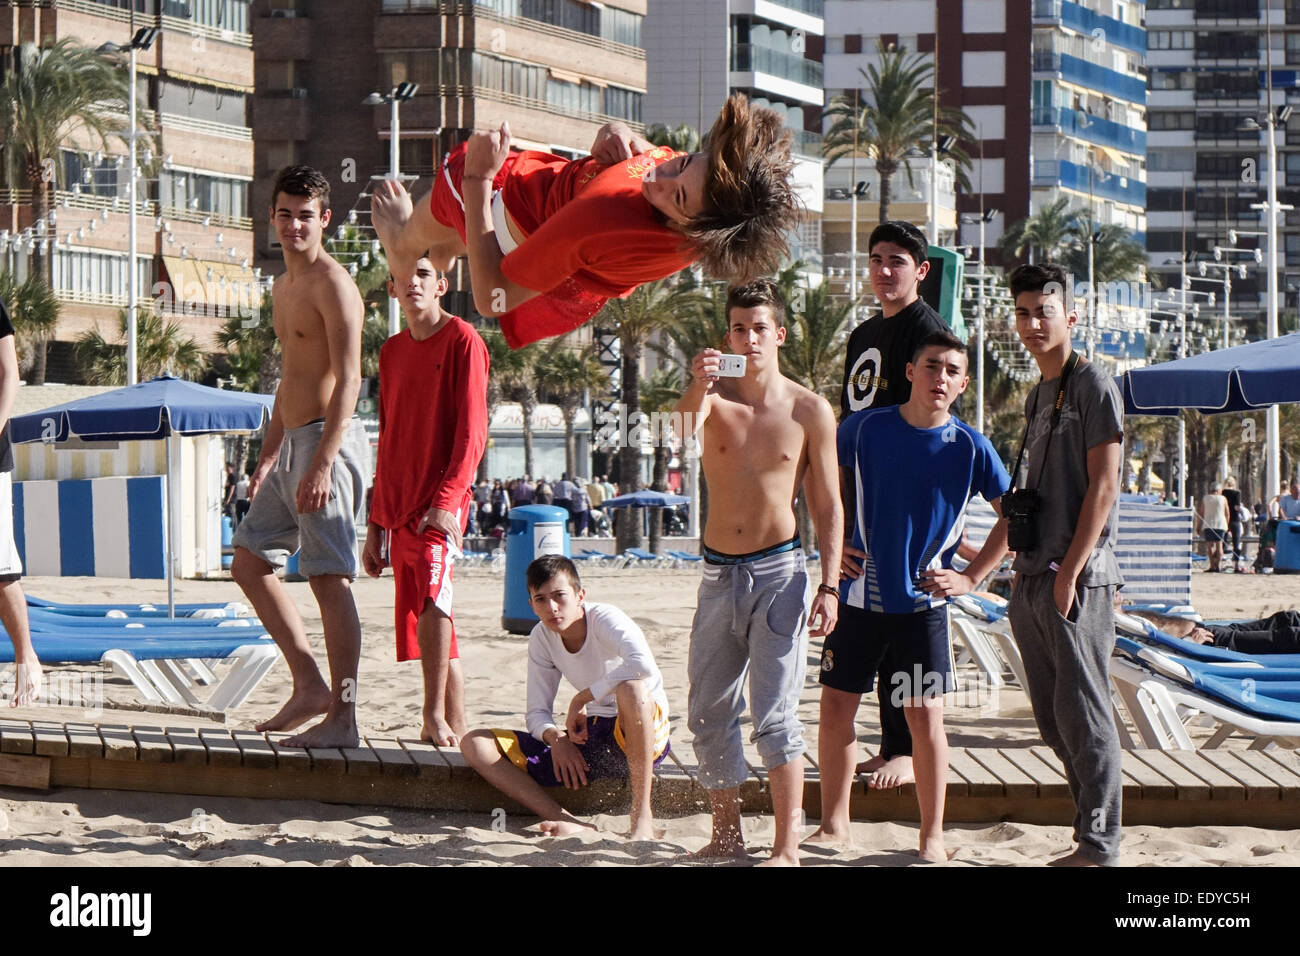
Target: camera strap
x,y
1070,365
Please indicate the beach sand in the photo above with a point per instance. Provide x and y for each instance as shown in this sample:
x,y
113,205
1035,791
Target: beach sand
x,y
118,828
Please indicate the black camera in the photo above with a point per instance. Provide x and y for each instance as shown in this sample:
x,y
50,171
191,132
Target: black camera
x,y
1021,508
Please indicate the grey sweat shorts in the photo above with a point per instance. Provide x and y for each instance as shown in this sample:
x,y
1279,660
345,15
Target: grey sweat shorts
x,y
750,620
326,538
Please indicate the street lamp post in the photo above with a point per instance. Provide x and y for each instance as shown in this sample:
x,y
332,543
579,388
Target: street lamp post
x,y
142,40
397,95
985,216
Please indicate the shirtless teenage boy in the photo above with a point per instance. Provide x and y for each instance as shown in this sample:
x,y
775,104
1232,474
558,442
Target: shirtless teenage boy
x,y
763,437
550,240
309,484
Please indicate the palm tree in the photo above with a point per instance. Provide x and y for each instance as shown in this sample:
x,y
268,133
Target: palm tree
x,y
161,348
684,138
50,95
892,115
635,319
659,395
513,376
816,333
1047,234
252,351
1116,255
33,309
570,375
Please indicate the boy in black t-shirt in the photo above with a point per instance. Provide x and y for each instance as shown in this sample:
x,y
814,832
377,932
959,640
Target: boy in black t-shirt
x,y
13,603
875,376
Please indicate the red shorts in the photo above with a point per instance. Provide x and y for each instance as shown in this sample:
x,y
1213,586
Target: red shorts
x,y
422,567
561,310
446,202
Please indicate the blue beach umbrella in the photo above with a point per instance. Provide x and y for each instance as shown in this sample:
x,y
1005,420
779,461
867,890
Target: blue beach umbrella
x,y
148,411
1237,379
645,499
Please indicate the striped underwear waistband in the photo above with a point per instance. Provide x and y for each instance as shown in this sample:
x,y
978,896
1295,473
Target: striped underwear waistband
x,y
717,557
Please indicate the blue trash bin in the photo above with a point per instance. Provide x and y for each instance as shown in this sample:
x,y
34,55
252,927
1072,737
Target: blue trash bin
x,y
535,530
291,572
1286,559
227,531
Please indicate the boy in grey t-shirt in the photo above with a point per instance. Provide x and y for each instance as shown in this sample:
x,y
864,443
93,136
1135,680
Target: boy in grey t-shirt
x,y
1062,604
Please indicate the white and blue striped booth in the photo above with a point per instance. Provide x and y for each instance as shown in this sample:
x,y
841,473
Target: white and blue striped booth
x,y
105,527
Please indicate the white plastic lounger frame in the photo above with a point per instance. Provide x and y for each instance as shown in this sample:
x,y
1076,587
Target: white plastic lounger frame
x,y
1153,701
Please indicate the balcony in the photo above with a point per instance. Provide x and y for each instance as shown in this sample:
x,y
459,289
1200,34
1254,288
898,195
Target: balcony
x,y
750,58
1082,20
1225,10
814,8
1058,172
807,144
1092,76
1093,129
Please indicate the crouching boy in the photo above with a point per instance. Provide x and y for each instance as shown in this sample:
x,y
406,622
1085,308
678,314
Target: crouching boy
x,y
908,472
616,724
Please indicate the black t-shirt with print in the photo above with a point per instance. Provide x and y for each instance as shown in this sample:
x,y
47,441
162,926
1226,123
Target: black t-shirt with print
x,y
875,364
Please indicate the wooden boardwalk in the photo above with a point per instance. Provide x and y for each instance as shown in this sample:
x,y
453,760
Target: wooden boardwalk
x,y
1024,784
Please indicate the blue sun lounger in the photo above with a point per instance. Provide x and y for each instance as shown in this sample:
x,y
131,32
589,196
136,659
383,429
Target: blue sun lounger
x,y
1208,653
41,619
156,664
1161,692
228,609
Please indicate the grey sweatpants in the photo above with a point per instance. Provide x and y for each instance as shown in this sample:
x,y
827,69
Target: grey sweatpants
x,y
749,618
1067,665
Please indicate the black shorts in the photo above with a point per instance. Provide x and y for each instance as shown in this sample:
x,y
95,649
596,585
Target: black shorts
x,y
914,648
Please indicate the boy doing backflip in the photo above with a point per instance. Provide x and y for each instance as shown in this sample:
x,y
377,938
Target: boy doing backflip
x,y
432,432
616,725
309,485
550,240
910,470
763,438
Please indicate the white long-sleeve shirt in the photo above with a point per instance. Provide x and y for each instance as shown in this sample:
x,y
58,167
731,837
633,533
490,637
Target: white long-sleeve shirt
x,y
615,651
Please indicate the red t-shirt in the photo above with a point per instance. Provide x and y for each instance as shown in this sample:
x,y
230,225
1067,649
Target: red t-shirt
x,y
432,423
589,222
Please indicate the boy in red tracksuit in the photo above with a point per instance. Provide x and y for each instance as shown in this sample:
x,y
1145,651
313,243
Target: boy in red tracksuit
x,y
550,240
432,431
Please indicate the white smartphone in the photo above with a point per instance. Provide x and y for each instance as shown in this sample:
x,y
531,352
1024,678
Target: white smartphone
x,y
731,366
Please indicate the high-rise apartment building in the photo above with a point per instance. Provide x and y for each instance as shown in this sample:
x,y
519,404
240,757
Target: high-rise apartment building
x,y
194,227
1055,89
1208,159
700,51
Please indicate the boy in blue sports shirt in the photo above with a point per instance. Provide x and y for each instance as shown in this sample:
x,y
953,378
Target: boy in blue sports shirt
x,y
911,469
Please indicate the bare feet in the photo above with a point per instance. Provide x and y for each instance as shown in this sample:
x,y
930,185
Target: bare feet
x,y
644,830
335,732
390,210
437,731
870,766
785,859
720,850
1072,859
895,772
932,851
563,827
27,684
299,709
831,836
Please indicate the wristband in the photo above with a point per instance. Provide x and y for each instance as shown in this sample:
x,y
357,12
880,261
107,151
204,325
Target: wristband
x,y
828,589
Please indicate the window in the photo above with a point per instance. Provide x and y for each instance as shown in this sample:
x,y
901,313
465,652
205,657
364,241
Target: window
x,y
104,178
1171,160
413,66
1219,165
1172,79
1220,85
200,192
1171,39
1227,46
1222,126
1170,119
416,156
98,273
